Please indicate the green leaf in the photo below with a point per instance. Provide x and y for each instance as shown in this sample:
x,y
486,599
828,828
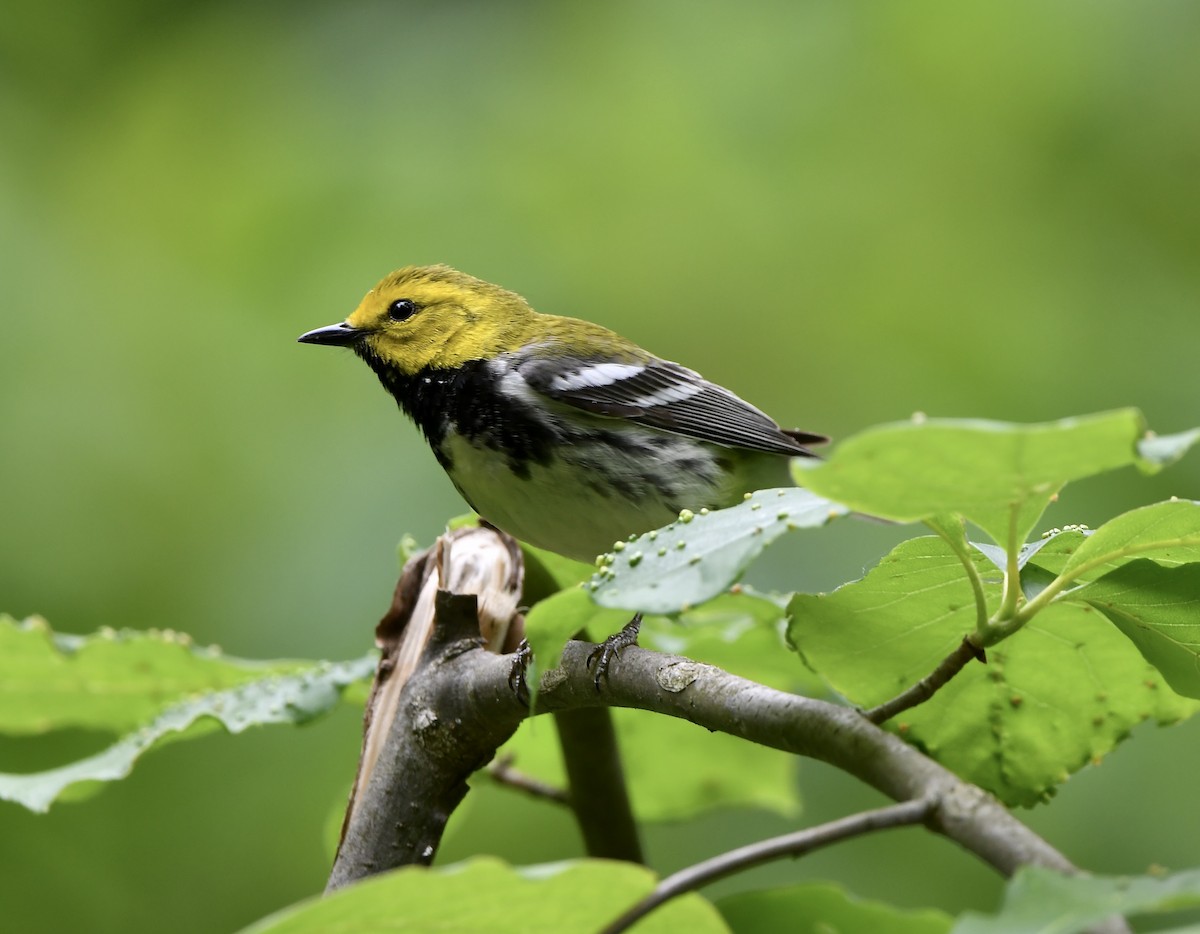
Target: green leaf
x,y
485,894
553,622
466,520
274,698
110,681
1059,694
949,526
741,632
877,636
700,555
823,909
1056,541
998,475
547,573
1038,901
1158,608
1168,532
708,771
406,549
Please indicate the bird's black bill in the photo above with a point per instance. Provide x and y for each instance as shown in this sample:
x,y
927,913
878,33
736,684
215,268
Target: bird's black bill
x,y
336,335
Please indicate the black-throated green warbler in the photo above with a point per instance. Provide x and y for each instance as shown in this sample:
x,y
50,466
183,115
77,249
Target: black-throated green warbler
x,y
558,431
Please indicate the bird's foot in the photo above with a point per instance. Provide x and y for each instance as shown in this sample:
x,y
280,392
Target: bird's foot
x,y
518,675
603,654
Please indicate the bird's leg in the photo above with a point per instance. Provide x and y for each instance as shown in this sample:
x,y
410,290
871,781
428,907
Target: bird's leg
x,y
603,654
518,675
601,657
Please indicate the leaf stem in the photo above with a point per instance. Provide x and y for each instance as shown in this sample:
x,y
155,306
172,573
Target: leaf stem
x,y
958,546
1055,588
1012,576
793,844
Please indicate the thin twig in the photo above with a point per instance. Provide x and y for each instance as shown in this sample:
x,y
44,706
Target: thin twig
x,y
924,689
793,844
502,772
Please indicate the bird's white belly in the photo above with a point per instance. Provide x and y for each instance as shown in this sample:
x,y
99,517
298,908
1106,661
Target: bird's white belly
x,y
567,506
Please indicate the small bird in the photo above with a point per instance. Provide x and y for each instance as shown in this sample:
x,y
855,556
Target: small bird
x,y
558,431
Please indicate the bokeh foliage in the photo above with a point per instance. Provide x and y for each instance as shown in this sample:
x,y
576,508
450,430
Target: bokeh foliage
x,y
845,211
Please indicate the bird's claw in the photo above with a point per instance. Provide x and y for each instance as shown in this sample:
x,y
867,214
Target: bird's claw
x,y
518,674
603,654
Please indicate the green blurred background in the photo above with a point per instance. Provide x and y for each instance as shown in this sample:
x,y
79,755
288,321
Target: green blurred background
x,y
846,211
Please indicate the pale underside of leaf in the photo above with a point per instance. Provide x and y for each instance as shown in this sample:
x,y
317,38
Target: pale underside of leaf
x,y
1039,900
295,698
111,680
698,557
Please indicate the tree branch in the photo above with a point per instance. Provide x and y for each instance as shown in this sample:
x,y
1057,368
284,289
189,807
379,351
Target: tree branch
x,y
460,708
924,689
438,737
793,844
421,626
840,736
502,772
447,720
598,794
473,687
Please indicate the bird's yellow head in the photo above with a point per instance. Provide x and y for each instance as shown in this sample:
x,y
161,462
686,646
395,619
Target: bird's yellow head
x,y
431,316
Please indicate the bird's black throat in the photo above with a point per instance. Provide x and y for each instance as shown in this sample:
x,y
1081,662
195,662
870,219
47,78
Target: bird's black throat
x,y
467,400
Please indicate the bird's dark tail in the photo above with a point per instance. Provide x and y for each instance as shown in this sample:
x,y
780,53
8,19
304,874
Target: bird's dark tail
x,y
806,437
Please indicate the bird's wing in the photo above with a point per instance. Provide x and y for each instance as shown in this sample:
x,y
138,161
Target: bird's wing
x,y
662,395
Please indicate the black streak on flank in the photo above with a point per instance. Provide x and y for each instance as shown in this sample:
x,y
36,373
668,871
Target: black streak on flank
x,y
468,398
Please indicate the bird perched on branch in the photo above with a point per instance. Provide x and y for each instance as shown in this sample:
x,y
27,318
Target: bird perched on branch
x,y
558,431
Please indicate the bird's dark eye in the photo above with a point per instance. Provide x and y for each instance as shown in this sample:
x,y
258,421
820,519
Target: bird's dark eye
x,y
402,309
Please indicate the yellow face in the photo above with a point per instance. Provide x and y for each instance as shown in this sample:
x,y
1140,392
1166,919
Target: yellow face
x,y
435,316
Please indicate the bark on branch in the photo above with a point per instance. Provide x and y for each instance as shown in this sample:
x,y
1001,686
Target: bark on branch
x,y
434,743
458,707
461,709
